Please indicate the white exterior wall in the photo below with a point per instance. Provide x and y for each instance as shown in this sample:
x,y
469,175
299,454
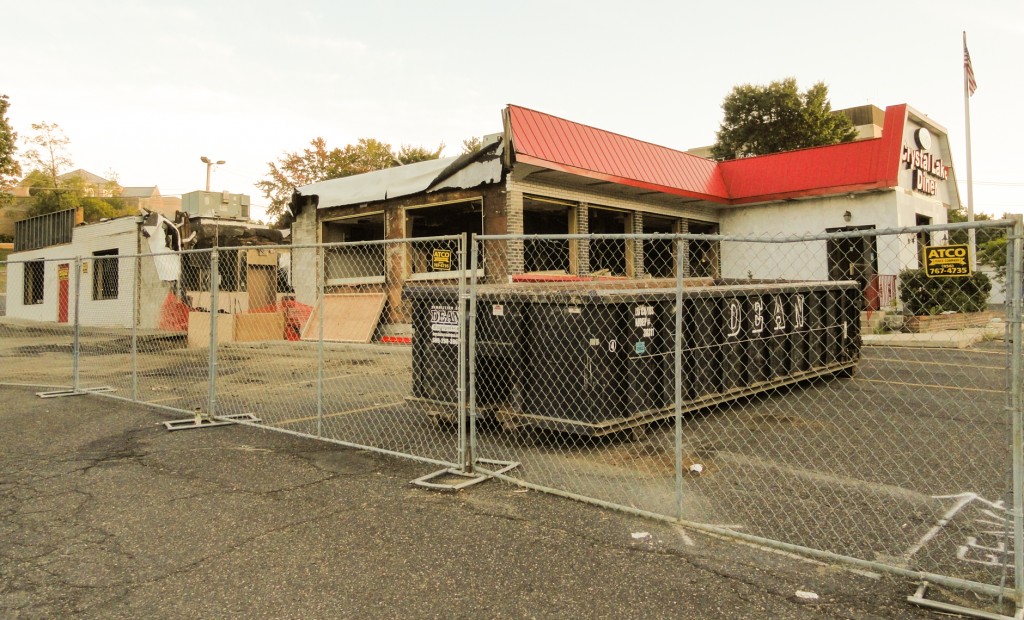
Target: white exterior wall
x,y
305,231
122,235
46,311
804,260
892,208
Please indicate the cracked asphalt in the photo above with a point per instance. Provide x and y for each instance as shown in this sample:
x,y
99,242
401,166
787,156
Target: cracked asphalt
x,y
104,514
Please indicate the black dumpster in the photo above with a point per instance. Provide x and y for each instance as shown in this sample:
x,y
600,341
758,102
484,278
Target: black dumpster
x,y
602,360
435,351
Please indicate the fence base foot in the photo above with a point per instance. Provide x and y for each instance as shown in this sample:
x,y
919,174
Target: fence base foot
x,y
200,422
62,393
470,479
919,600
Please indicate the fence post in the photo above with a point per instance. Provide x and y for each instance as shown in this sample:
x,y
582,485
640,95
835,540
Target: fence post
x,y
212,362
678,365
1014,290
474,263
75,346
321,252
136,299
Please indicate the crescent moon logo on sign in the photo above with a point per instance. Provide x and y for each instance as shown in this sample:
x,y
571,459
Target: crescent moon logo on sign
x,y
923,138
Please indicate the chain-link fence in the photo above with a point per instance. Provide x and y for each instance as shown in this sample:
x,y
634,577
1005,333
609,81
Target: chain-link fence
x,y
822,394
37,334
818,393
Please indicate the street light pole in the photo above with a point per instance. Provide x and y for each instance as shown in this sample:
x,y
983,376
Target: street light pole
x,y
209,164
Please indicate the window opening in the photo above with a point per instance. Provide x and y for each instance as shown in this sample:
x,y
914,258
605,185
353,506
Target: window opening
x,y
439,221
704,253
33,284
659,254
542,217
607,255
104,274
357,261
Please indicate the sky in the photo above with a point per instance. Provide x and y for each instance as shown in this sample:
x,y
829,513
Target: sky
x,y
145,89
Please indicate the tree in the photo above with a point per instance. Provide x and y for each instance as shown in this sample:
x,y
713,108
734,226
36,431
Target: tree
x,y
320,163
49,152
48,157
10,168
990,242
472,145
412,154
769,119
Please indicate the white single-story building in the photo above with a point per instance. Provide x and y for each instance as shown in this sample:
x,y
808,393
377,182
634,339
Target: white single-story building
x,y
41,270
41,280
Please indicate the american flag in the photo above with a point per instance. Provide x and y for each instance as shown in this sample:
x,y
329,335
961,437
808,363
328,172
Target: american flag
x,y
968,70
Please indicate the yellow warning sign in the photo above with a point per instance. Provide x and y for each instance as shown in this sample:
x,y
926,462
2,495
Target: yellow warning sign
x,y
441,260
947,261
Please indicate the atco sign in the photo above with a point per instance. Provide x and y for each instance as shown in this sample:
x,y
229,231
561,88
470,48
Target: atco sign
x,y
946,261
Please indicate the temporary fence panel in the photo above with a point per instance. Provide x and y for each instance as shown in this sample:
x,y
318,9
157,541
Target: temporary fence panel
x,y
321,340
773,398
37,320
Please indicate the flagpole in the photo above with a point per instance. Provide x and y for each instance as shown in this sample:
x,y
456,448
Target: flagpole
x,y
973,248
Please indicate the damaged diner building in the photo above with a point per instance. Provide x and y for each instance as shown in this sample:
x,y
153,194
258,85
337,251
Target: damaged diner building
x,y
547,175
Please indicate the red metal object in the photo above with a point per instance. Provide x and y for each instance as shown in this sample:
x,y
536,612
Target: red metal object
x,y
542,277
557,144
396,339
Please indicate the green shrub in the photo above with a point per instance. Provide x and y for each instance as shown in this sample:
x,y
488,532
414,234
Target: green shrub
x,y
922,295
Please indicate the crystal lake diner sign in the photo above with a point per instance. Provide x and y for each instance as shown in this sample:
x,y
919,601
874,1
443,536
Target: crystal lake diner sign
x,y
927,169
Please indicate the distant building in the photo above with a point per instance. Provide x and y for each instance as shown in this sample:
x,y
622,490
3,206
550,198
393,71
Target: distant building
x,y
145,197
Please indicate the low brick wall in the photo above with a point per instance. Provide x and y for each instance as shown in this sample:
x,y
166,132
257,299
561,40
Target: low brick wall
x,y
939,322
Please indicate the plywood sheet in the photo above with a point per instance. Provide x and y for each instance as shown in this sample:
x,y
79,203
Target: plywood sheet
x,y
199,329
259,326
349,317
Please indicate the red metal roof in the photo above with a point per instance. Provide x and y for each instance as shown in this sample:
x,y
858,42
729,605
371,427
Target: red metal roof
x,y
558,144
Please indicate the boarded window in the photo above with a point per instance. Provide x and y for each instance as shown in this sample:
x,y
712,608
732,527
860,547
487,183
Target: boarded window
x,y
104,274
34,273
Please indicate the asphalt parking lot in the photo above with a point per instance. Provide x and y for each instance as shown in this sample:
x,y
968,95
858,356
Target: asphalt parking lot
x,y
108,515
864,466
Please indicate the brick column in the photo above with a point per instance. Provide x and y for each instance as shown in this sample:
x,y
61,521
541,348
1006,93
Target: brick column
x,y
637,244
582,247
513,249
684,227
